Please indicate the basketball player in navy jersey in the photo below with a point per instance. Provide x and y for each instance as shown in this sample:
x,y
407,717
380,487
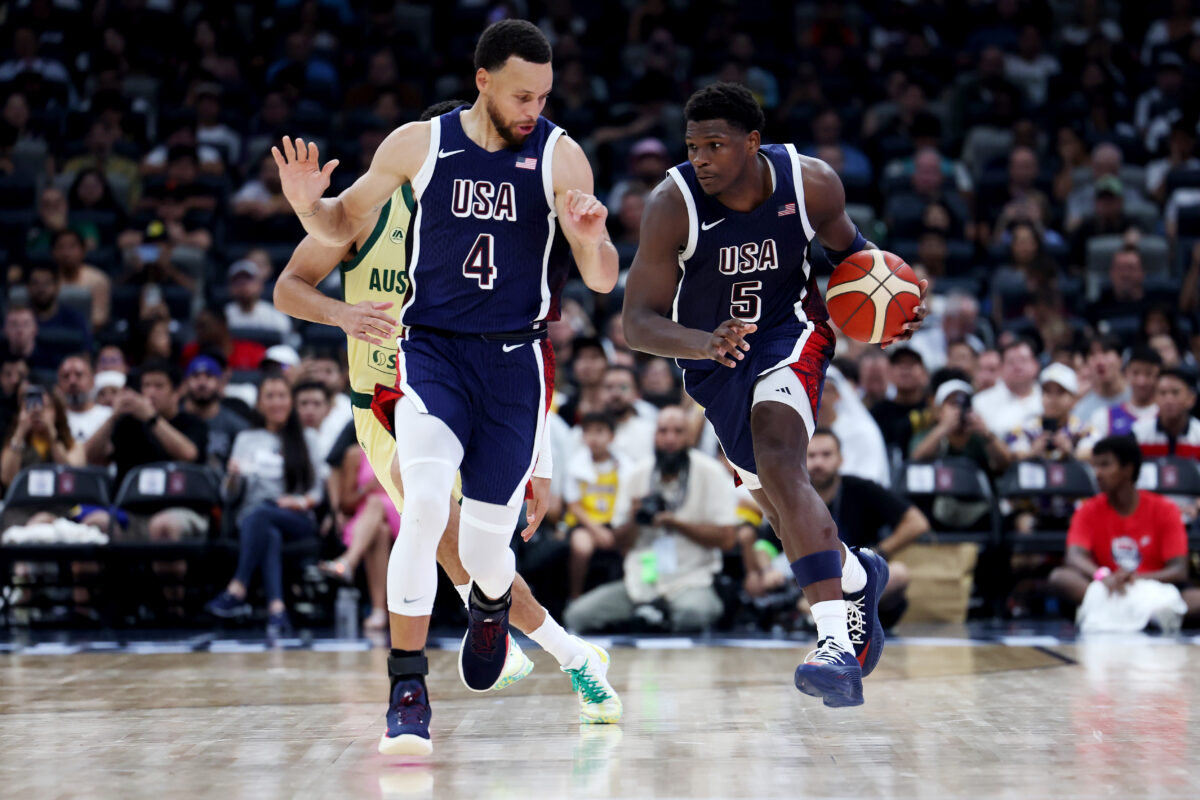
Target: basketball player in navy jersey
x,y
502,199
748,326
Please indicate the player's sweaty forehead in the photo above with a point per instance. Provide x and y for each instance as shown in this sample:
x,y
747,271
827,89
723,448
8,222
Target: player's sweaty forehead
x,y
524,77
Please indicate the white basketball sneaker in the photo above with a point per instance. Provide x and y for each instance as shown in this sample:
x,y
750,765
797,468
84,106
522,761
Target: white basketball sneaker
x,y
598,701
516,666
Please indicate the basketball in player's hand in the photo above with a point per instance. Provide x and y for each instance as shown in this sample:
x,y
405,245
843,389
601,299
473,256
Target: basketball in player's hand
x,y
871,295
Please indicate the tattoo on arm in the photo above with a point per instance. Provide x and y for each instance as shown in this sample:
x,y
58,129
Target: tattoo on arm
x,y
312,212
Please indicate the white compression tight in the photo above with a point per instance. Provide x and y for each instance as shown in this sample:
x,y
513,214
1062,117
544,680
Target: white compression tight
x,y
485,533
429,454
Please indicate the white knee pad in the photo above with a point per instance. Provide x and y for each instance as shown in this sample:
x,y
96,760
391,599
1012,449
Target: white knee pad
x,y
412,568
485,531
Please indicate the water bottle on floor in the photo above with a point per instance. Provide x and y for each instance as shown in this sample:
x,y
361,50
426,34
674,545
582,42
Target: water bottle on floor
x,y
346,613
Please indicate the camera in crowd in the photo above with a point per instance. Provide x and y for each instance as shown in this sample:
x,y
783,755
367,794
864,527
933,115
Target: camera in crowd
x,y
652,505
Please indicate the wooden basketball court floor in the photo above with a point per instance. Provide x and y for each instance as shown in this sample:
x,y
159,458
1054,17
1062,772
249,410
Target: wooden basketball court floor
x,y
1109,717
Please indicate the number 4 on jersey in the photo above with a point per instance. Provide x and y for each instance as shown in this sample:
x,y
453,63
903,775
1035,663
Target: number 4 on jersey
x,y
479,265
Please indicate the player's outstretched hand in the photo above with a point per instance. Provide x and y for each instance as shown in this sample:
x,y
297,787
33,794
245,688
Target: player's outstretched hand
x,y
301,175
367,322
919,314
584,217
727,342
535,508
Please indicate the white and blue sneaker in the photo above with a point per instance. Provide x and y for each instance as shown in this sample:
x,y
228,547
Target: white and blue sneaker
x,y
862,610
831,672
598,701
516,666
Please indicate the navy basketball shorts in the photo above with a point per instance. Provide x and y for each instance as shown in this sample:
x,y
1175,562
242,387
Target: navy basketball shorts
x,y
490,393
786,366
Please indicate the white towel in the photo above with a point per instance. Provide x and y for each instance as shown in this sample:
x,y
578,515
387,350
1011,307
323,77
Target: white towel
x,y
1142,602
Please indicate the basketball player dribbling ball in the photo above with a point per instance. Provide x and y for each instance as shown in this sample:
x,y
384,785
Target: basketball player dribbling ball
x,y
749,328
501,196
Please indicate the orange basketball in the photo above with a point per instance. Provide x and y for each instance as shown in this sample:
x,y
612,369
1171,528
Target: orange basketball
x,y
871,295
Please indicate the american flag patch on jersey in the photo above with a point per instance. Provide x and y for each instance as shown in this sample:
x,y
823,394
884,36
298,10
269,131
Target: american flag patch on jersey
x,y
528,162
787,208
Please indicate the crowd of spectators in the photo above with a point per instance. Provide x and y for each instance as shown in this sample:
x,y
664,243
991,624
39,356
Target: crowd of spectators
x,y
1035,160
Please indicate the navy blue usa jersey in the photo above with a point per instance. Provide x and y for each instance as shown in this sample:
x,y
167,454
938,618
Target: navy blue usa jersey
x,y
750,265
486,253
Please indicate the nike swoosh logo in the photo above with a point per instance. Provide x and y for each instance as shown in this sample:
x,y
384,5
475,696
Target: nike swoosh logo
x,y
707,225
412,599
444,153
508,348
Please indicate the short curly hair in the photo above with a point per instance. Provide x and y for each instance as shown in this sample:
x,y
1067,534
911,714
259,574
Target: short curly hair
x,y
731,102
511,37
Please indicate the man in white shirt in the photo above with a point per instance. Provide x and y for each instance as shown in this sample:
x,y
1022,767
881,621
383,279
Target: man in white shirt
x,y
76,383
634,439
676,513
248,309
1108,381
1016,396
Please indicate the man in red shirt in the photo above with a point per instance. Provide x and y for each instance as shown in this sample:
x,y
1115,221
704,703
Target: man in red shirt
x,y
1123,534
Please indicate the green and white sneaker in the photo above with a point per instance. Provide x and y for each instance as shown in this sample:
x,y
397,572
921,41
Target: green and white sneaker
x,y
516,666
598,701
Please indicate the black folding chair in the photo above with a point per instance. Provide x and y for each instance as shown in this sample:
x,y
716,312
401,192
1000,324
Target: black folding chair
x,y
1176,477
55,488
1050,490
959,479
150,488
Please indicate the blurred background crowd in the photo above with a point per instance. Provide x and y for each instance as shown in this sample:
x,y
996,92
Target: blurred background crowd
x,y
1035,160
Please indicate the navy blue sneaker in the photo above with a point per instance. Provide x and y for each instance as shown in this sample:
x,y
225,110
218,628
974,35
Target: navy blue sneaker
x,y
862,610
484,649
226,606
832,673
279,625
408,718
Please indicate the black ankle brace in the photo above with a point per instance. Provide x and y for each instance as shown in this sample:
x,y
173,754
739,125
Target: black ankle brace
x,y
406,665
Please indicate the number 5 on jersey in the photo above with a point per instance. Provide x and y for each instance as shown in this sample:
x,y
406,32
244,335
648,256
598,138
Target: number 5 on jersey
x,y
479,265
744,303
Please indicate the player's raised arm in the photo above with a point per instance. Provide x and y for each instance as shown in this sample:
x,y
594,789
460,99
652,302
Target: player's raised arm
x,y
825,200
650,290
296,295
583,217
334,221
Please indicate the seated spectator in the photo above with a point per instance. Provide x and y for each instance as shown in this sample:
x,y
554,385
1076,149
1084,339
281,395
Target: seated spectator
x,y
45,284
873,378
14,372
1181,146
90,191
203,390
40,435
109,384
927,179
53,217
844,414
1125,296
634,440
212,336
1141,375
588,366
210,130
1123,534
119,172
593,480
1016,396
1055,433
20,337
956,322
148,254
68,254
1109,387
181,133
327,367
248,309
76,386
1029,265
682,512
1106,163
960,430
371,523
281,483
1160,104
312,402
262,197
660,387
111,358
963,357
866,515
147,424
907,414
1031,67
827,132
987,370
1173,431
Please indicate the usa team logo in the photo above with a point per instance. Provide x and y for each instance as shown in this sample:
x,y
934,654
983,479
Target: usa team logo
x,y
786,209
527,163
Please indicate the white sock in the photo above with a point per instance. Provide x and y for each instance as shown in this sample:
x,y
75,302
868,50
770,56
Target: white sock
x,y
854,576
830,616
464,592
551,637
